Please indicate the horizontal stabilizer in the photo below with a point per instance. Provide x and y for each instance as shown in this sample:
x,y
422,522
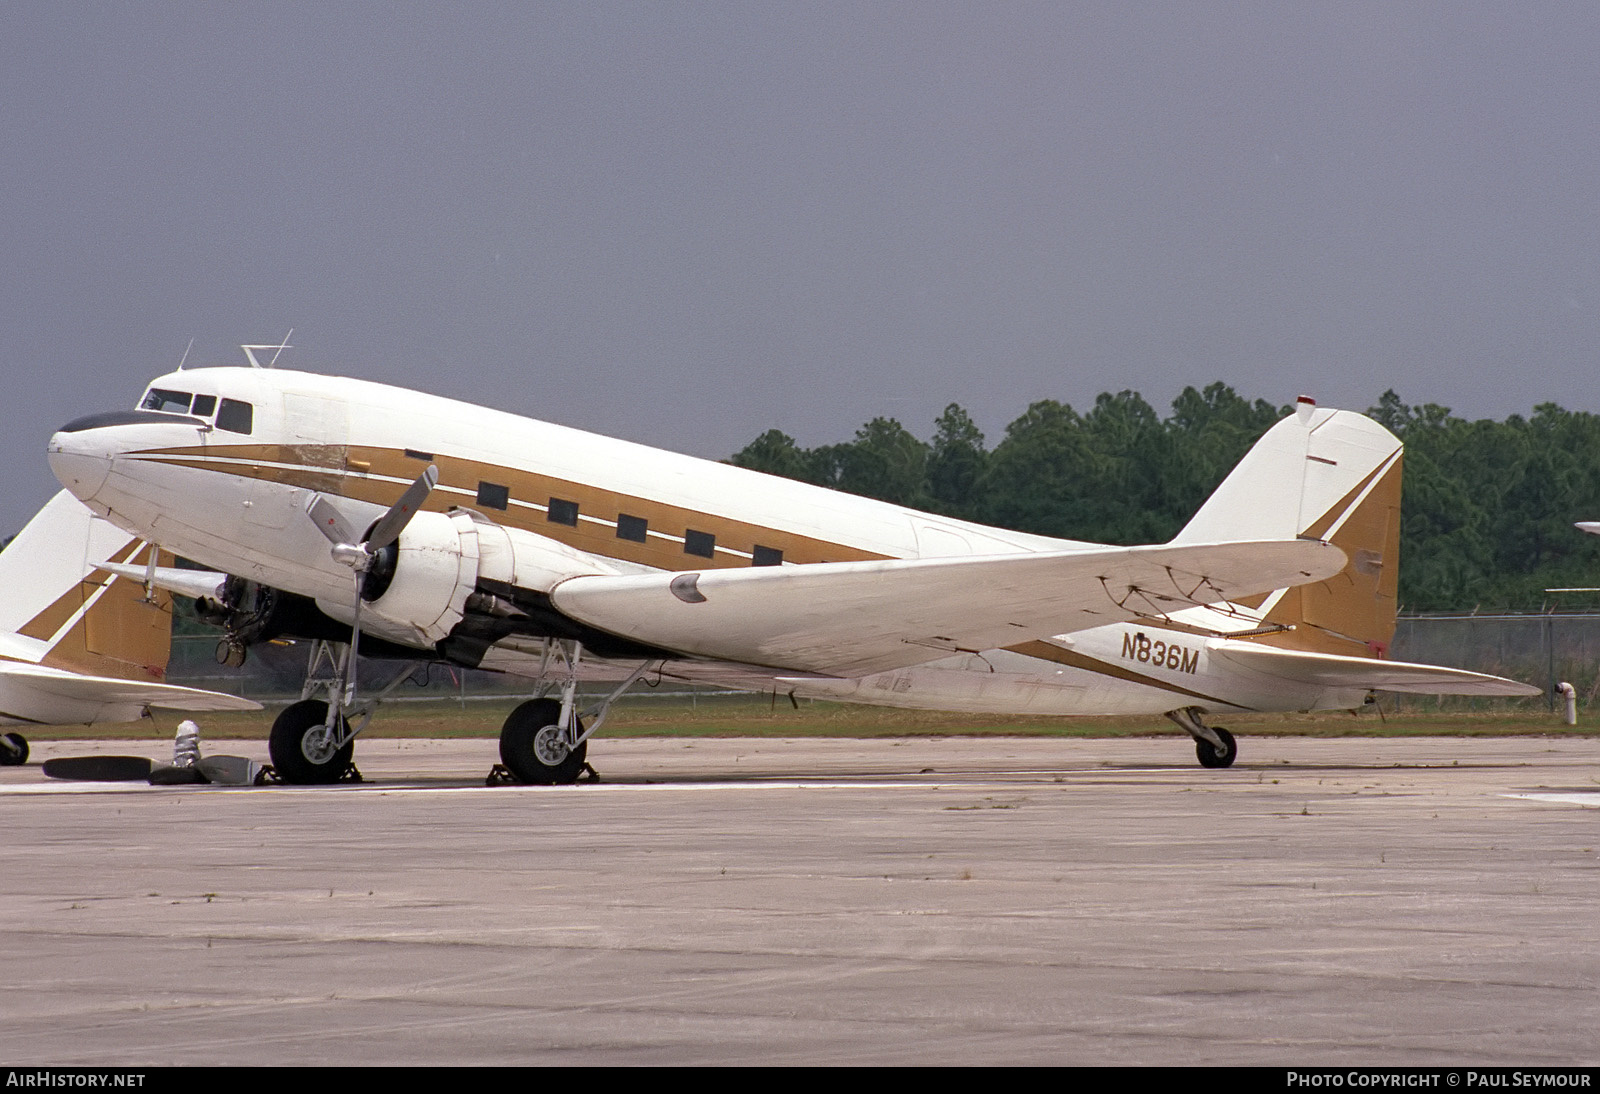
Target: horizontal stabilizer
x,y
856,618
1337,671
174,579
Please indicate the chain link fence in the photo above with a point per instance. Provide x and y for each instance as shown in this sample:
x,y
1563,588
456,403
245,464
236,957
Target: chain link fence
x,y
1539,648
1535,648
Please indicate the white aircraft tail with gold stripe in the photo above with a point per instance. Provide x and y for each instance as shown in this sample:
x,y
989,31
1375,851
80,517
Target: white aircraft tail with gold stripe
x,y
78,643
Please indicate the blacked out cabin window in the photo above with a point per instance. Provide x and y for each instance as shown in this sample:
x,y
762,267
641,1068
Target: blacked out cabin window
x,y
491,495
703,544
766,556
563,512
635,529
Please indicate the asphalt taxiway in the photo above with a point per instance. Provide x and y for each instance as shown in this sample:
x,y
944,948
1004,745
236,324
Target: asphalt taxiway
x,y
935,901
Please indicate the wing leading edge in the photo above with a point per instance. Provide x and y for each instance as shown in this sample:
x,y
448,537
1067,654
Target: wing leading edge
x,y
857,618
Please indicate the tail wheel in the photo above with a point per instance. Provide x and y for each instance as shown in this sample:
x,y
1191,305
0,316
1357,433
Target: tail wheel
x,y
1210,756
298,745
13,750
533,748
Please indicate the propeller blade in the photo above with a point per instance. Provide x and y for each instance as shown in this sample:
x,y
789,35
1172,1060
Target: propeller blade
x,y
330,522
392,523
355,649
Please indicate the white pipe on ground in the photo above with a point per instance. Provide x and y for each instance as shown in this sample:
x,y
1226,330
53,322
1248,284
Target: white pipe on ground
x,y
1570,694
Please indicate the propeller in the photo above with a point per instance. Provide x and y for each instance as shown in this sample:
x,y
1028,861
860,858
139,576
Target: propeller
x,y
359,554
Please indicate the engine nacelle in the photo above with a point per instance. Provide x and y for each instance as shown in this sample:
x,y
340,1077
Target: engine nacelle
x,y
529,561
418,589
433,569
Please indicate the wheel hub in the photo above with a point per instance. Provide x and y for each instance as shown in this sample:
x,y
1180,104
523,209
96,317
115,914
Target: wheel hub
x,y
317,745
550,746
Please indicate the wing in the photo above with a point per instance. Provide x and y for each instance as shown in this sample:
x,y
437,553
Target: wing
x,y
856,618
39,681
1335,671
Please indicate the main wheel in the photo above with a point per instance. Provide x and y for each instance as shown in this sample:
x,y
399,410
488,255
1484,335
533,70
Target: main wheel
x,y
537,757
13,750
298,752
1210,757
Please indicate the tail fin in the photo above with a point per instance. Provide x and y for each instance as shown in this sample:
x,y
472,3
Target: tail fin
x,y
58,610
1325,474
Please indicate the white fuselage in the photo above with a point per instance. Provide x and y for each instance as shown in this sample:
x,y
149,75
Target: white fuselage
x,y
229,488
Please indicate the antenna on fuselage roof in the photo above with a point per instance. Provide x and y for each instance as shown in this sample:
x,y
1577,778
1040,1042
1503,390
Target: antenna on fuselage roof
x,y
250,351
185,356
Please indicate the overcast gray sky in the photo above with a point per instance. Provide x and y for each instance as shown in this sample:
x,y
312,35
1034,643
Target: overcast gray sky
x,y
686,223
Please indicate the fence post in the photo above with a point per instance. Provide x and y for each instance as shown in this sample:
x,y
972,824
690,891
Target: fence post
x,y
1550,661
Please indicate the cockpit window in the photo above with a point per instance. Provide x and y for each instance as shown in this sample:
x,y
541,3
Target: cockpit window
x,y
204,405
168,402
235,416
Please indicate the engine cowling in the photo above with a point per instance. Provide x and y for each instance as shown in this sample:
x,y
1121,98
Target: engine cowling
x,y
526,560
434,568
438,563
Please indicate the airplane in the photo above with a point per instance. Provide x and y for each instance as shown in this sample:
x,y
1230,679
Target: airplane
x,y
77,642
360,515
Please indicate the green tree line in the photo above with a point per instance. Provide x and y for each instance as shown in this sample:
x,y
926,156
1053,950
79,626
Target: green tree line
x,y
1487,510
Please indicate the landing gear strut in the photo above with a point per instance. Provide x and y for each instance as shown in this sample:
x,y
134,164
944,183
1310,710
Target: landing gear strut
x,y
313,740
544,741
1213,745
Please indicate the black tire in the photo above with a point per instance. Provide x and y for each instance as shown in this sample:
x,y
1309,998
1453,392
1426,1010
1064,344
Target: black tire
x,y
14,753
1210,757
289,758
517,752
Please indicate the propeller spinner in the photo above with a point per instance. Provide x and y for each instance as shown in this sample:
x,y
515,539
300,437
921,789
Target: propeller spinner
x,y
356,553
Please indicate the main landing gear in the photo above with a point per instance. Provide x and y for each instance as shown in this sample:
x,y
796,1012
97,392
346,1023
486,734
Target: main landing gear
x,y
305,749
313,741
1213,745
13,750
534,747
544,742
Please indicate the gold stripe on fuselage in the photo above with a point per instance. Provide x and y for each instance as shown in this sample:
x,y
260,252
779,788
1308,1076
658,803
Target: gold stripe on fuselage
x,y
388,471
1046,651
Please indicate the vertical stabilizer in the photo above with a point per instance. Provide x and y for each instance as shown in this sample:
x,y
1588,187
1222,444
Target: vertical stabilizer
x,y
58,610
1325,474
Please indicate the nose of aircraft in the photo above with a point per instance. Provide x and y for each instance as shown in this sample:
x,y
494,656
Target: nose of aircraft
x,y
81,459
